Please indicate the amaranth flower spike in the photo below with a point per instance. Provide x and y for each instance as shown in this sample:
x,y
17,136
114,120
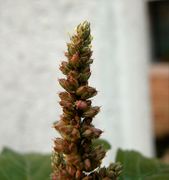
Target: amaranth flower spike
x,y
74,156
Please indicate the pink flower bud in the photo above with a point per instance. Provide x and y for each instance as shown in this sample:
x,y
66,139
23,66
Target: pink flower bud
x,y
82,105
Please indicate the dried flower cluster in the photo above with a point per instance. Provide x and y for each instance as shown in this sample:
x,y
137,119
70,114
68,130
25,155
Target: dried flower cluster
x,y
74,156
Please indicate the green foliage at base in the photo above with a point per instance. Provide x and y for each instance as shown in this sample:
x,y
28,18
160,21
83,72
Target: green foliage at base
x,y
15,166
138,167
34,166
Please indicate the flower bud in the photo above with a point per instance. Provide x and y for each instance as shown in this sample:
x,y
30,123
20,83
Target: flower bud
x,y
86,92
68,112
86,148
66,104
74,74
86,50
66,131
64,67
65,119
89,102
87,121
99,153
91,112
91,133
69,84
71,48
83,77
69,133
77,119
87,165
64,84
75,60
90,61
57,159
61,146
102,172
75,134
72,147
63,174
71,170
118,166
81,105
73,83
66,97
58,124
73,159
81,90
86,53
114,169
111,173
84,59
68,115
87,69
78,174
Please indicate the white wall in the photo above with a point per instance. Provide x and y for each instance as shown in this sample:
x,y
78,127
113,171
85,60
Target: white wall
x,y
32,42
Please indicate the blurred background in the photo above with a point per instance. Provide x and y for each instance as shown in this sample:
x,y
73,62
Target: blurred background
x,y
130,71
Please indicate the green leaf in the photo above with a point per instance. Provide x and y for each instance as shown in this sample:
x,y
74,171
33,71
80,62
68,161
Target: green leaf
x,y
102,142
32,166
138,167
